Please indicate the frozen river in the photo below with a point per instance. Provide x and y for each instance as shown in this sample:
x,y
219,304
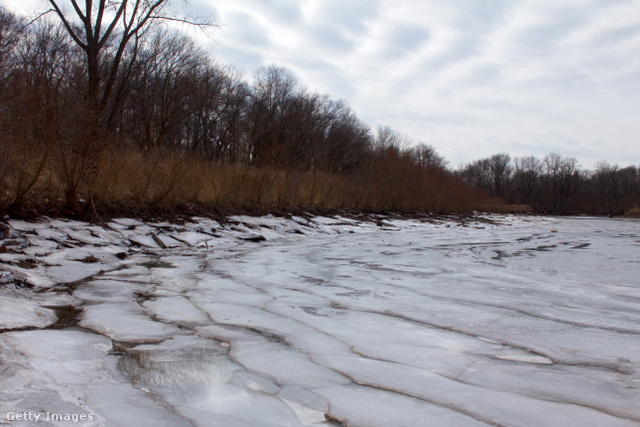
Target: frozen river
x,y
514,321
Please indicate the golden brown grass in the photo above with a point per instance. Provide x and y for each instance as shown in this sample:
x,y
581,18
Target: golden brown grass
x,y
633,213
129,181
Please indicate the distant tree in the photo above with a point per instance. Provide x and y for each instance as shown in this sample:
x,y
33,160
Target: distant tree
x,y
562,176
608,187
500,171
526,177
390,140
426,157
347,141
477,174
629,187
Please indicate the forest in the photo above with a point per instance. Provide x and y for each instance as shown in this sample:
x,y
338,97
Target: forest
x,y
556,184
120,113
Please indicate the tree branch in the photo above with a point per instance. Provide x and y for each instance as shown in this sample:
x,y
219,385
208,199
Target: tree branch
x,y
113,24
67,25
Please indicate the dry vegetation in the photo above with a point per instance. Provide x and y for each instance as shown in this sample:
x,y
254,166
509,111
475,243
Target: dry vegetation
x,y
126,181
632,213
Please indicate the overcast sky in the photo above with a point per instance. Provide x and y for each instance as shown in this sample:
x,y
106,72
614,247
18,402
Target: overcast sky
x,y
470,77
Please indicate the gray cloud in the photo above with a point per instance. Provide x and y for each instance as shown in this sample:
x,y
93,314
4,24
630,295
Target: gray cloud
x,y
404,39
330,40
351,16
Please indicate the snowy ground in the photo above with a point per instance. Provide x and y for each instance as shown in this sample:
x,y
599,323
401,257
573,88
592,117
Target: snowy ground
x,y
524,321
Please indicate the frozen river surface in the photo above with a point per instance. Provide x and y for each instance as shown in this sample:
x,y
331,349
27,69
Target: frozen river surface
x,y
515,321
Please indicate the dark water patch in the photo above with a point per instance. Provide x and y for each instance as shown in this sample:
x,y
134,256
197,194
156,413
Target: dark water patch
x,y
20,283
314,311
378,267
142,297
296,231
64,288
334,421
25,329
543,248
500,254
255,238
267,336
28,263
157,264
121,348
68,316
581,246
358,293
313,280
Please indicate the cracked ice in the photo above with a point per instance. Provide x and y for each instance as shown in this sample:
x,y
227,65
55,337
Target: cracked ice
x,y
498,320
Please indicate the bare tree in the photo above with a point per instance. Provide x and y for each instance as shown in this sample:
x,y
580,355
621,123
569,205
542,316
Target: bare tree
x,y
478,174
168,78
98,26
217,121
607,180
500,173
388,139
561,174
275,91
347,141
426,157
525,178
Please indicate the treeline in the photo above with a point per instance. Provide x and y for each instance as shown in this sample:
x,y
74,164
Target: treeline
x,y
556,184
153,121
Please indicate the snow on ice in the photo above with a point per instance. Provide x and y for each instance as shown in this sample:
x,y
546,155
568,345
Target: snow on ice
x,y
489,320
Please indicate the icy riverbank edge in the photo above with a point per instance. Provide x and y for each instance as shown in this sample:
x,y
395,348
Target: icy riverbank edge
x,y
317,321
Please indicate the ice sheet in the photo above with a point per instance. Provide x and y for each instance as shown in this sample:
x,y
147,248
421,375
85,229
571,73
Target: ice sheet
x,y
491,320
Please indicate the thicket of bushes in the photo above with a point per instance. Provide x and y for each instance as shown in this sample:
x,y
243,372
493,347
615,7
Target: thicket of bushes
x,y
172,129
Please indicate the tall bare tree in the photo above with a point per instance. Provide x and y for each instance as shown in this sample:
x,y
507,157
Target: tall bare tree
x,y
109,25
